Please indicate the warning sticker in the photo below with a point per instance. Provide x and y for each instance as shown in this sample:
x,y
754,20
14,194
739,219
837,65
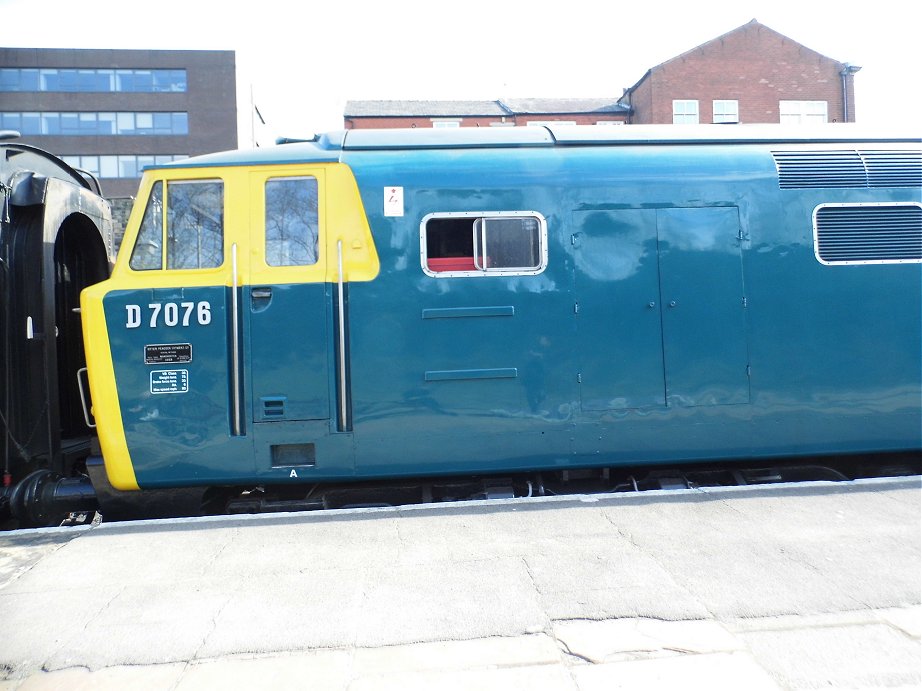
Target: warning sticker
x,y
393,201
169,381
167,353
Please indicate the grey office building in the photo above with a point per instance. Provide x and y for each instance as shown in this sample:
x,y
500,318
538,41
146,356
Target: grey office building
x,y
112,112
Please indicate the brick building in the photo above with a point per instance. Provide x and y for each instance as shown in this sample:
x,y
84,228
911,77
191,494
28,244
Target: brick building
x,y
112,112
500,113
752,74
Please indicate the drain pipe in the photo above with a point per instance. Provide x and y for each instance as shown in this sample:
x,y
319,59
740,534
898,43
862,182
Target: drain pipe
x,y
847,70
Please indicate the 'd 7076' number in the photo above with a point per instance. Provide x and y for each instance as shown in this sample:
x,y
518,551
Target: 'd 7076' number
x,y
168,314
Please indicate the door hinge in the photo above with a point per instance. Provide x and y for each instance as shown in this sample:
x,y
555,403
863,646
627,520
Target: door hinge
x,y
579,378
745,302
575,308
749,371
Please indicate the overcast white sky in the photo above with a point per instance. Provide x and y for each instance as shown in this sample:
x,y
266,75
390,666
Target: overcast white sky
x,y
303,61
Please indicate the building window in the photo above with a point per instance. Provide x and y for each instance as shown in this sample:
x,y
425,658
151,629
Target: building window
x,y
549,123
110,166
726,111
92,80
803,112
685,112
510,243
446,123
95,124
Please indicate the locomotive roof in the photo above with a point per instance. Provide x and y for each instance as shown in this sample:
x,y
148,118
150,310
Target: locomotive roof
x,y
329,147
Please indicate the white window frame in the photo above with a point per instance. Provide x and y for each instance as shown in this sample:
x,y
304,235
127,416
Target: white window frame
x,y
803,112
438,123
726,111
683,110
479,273
549,123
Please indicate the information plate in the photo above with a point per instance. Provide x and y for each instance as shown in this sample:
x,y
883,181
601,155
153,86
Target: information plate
x,y
169,381
167,353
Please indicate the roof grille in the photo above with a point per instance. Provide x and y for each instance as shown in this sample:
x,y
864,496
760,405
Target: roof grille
x,y
893,168
868,233
843,169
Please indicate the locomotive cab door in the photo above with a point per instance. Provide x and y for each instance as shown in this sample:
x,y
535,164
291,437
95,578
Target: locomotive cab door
x,y
288,309
161,339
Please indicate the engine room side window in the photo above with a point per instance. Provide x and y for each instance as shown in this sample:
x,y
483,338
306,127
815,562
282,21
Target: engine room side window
x,y
506,243
148,249
292,221
194,229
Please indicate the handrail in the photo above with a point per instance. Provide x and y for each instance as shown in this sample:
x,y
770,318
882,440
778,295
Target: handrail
x,y
341,350
235,344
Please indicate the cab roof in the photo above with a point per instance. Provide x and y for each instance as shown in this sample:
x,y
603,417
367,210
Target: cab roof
x,y
330,147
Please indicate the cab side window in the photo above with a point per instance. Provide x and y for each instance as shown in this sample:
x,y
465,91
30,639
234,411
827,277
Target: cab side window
x,y
192,225
148,249
292,221
195,225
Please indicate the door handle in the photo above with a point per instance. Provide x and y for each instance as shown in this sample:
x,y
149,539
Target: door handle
x,y
261,293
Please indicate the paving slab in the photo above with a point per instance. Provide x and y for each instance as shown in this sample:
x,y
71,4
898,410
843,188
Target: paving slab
x,y
854,656
616,640
715,672
795,586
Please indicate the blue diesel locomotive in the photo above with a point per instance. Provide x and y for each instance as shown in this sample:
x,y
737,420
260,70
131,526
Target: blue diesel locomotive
x,y
408,303
392,303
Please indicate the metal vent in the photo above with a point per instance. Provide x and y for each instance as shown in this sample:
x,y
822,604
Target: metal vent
x,y
844,169
868,233
893,168
273,407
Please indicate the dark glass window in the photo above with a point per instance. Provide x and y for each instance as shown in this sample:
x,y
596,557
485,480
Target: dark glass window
x,y
163,123
90,80
50,123
29,80
291,221
195,224
9,79
148,249
180,123
31,123
479,244
70,123
11,121
507,243
194,227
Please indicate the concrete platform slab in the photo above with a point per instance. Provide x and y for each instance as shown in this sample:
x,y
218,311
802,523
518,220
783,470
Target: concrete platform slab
x,y
800,586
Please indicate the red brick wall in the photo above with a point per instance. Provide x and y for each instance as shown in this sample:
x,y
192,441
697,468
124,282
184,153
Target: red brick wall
x,y
390,123
754,65
579,119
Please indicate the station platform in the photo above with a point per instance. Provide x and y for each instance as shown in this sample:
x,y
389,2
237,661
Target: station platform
x,y
799,586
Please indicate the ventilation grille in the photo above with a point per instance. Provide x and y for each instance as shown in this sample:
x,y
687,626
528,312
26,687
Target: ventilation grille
x,y
868,233
812,169
273,407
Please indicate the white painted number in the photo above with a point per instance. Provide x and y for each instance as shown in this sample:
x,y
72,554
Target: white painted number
x,y
172,314
188,307
204,313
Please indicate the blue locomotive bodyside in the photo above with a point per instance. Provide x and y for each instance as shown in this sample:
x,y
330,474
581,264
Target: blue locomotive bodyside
x,y
491,301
